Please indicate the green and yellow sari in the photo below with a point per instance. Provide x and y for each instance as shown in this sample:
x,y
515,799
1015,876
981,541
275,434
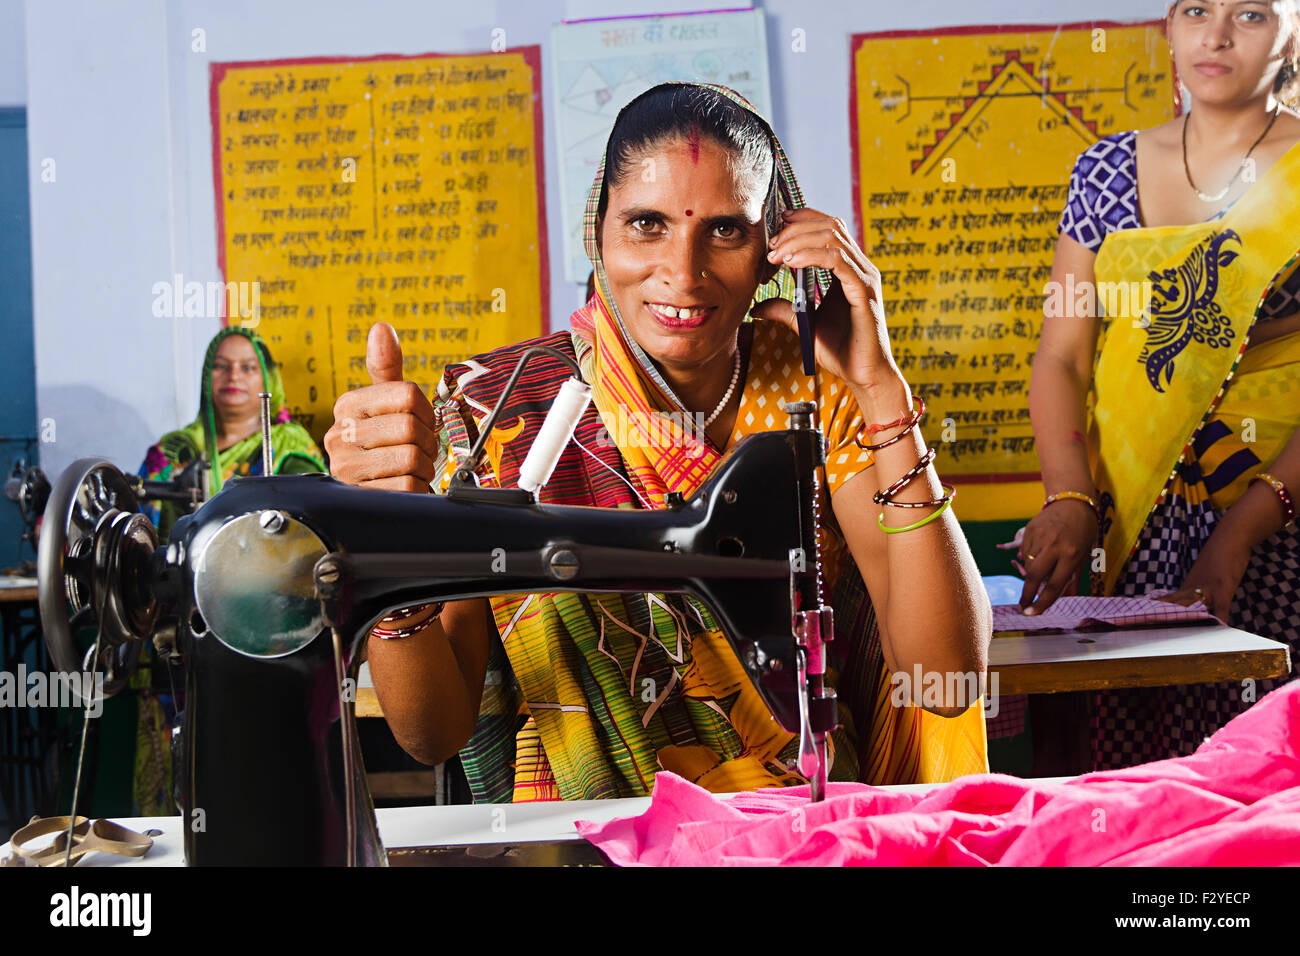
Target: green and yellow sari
x,y
294,453
293,449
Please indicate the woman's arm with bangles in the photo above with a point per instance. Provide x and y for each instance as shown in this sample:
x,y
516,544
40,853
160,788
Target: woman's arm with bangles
x,y
1257,516
931,606
1059,539
430,685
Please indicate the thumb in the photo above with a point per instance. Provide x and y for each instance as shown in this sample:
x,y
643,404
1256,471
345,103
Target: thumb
x,y
779,309
383,354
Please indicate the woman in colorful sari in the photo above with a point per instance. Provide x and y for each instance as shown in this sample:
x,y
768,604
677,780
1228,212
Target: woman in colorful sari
x,y
1192,442
692,219
227,431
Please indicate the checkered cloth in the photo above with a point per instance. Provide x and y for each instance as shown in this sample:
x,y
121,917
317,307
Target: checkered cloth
x,y
1139,725
1070,613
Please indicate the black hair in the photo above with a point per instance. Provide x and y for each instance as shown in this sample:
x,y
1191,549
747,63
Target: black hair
x,y
675,111
1287,87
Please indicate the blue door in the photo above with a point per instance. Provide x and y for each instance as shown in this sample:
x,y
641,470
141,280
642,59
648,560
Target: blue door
x,y
18,433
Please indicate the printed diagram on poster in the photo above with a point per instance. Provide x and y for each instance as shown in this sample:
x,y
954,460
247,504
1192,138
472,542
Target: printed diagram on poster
x,y
398,189
963,144
600,65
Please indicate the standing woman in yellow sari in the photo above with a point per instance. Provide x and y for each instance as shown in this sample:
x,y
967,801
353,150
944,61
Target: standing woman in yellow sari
x,y
690,221
1192,442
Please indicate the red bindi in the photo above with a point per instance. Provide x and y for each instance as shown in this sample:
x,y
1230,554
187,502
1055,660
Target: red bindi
x,y
688,212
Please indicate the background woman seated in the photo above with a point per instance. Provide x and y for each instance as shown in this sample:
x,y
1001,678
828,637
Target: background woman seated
x,y
226,431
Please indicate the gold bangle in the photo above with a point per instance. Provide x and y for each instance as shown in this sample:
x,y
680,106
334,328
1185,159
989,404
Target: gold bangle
x,y
1279,489
1077,496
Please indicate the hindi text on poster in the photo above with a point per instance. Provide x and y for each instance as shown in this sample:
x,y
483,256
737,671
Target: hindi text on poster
x,y
964,141
398,189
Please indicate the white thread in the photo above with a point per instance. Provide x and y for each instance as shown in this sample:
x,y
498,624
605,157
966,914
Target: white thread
x,y
557,429
614,472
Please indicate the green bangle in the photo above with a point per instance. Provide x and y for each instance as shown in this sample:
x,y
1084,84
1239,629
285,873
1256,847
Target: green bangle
x,y
912,527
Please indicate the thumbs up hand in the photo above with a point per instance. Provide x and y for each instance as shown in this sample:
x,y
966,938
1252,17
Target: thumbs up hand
x,y
384,435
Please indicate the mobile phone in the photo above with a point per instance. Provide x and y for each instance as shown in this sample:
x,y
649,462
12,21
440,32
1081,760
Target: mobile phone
x,y
803,286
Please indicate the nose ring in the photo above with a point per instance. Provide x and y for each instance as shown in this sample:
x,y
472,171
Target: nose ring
x,y
704,273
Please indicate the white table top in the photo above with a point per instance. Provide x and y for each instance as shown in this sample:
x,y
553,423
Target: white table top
x,y
1072,646
424,826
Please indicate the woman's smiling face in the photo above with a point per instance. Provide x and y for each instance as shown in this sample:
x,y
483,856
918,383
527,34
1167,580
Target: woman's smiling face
x,y
683,243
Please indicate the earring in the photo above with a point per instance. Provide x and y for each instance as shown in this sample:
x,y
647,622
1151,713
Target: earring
x,y
1177,84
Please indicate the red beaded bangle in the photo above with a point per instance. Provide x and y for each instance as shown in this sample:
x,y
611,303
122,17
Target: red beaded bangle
x,y
405,614
886,497
1288,506
951,494
397,633
918,410
910,421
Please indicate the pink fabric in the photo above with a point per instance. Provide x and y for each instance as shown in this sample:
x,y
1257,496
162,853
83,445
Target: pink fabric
x,y
1235,802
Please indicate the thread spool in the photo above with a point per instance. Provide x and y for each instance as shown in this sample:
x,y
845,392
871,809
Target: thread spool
x,y
556,430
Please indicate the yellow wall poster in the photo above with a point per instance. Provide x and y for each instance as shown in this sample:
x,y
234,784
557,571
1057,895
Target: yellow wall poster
x,y
963,144
398,189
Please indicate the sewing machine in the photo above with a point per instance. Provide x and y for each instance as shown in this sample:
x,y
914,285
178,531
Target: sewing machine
x,y
268,592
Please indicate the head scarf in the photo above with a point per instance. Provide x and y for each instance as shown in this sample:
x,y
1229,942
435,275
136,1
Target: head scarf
x,y
294,448
271,382
623,375
784,190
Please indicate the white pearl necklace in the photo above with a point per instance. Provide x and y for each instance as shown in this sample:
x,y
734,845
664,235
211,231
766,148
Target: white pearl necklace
x,y
735,377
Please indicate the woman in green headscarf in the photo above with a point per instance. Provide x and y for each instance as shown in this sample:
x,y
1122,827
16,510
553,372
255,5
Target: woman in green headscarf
x,y
226,432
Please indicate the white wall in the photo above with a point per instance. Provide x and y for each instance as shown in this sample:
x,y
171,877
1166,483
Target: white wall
x,y
13,54
118,100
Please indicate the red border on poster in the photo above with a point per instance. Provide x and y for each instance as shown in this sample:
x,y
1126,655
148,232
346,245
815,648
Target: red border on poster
x,y
532,56
856,40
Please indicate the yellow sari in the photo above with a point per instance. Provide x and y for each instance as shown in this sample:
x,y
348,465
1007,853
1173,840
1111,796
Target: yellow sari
x,y
1175,384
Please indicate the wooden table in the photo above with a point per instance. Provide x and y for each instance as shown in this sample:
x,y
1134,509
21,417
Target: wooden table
x,y
16,590
1046,663
1060,670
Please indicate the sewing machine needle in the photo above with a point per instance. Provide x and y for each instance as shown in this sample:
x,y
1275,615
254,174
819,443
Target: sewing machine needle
x,y
268,456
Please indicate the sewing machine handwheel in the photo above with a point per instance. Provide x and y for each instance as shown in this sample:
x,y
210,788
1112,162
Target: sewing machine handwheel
x,y
93,573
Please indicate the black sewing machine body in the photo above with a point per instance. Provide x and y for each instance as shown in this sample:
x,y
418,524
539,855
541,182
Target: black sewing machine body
x,y
268,592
